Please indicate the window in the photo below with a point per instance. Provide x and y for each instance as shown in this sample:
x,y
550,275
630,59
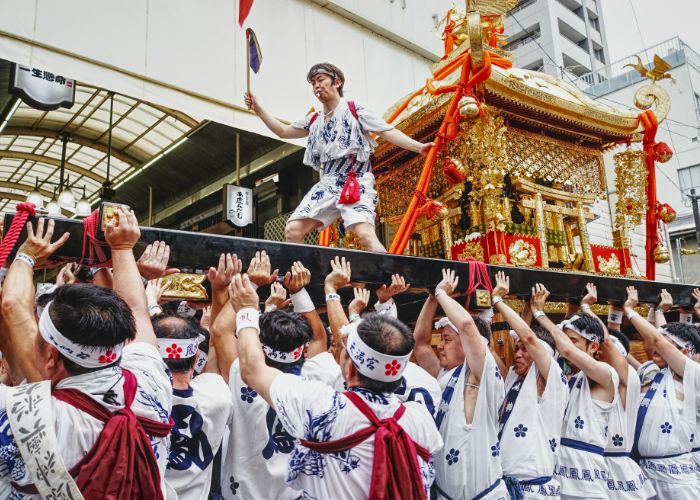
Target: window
x,y
689,178
599,54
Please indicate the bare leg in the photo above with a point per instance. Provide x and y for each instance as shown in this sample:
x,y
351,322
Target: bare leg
x,y
295,230
368,238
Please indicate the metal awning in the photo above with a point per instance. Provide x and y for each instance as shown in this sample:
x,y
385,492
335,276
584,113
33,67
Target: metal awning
x,y
30,144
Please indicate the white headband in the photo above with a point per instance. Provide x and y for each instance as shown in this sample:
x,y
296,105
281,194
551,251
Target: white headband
x,y
184,310
373,364
568,324
282,356
201,361
549,349
679,342
443,322
85,356
179,348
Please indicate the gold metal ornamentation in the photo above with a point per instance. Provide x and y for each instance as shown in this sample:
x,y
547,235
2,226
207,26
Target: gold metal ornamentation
x,y
609,266
630,184
661,255
185,286
472,249
483,299
522,253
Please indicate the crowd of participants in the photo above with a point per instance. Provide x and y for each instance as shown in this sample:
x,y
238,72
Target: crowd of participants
x,y
110,392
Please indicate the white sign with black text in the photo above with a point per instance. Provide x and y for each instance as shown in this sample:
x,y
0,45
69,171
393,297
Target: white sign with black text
x,y
238,205
42,89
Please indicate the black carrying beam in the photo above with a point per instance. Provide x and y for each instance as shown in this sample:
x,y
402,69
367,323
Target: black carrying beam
x,y
198,251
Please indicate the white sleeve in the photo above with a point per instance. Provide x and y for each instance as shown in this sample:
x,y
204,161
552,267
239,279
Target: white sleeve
x,y
324,368
370,121
307,408
388,308
303,123
491,385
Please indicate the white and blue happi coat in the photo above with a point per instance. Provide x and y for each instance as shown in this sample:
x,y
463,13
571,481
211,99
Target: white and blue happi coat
x,y
581,467
469,466
665,430
626,480
312,410
530,428
200,414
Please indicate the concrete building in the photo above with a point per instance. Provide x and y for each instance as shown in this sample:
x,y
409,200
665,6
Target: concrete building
x,y
681,131
565,38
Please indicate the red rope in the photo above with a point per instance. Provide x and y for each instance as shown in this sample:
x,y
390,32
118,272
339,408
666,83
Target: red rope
x,y
92,246
478,275
24,210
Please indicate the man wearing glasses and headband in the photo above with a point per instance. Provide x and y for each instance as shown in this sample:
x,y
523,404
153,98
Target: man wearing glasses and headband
x,y
665,430
339,147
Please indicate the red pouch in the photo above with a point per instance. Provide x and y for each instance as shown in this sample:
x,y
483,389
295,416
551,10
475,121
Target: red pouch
x,y
351,190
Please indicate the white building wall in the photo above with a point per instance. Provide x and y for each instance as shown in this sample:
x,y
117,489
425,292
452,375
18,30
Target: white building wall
x,y
191,55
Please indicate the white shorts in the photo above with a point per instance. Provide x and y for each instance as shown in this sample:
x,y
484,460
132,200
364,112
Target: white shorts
x,y
321,203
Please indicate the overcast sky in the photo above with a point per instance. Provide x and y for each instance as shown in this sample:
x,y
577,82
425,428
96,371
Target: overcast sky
x,y
659,20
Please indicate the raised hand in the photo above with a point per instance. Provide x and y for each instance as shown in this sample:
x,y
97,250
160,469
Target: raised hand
x,y
297,278
632,299
38,244
591,296
539,297
66,275
666,301
123,232
696,295
205,320
251,102
242,294
339,277
155,289
360,302
449,282
260,269
398,285
278,297
220,277
502,285
153,262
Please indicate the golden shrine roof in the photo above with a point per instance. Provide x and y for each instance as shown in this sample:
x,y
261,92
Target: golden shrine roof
x,y
533,100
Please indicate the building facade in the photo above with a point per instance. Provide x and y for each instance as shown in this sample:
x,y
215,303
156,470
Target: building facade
x,y
565,38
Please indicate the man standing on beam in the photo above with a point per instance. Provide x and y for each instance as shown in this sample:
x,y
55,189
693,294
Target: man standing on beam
x,y
339,147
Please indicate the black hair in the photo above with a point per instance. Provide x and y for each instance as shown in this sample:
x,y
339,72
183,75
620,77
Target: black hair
x,y
284,331
386,335
590,326
484,328
44,299
177,327
327,68
621,337
544,335
91,316
685,332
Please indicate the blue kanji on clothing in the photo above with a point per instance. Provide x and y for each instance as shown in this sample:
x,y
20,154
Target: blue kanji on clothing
x,y
279,440
188,442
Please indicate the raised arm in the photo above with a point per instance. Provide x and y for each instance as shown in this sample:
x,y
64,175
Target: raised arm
x,y
121,235
613,357
422,334
595,370
18,310
535,349
696,306
222,341
472,343
338,278
398,138
296,281
276,126
254,370
652,337
385,295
